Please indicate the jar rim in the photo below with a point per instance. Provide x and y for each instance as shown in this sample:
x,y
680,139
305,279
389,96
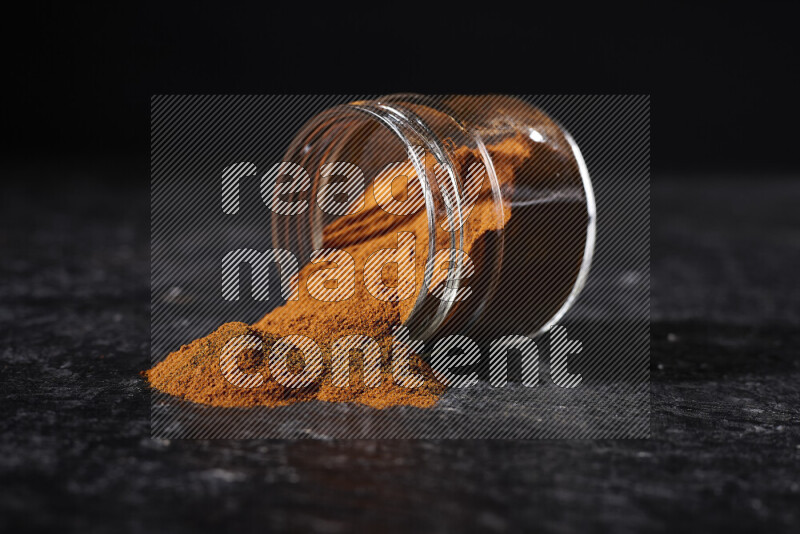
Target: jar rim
x,y
413,133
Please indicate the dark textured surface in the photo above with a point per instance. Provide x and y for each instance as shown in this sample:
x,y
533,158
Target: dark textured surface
x,y
75,452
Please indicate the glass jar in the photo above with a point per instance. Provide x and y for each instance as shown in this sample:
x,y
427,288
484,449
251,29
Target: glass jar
x,y
489,175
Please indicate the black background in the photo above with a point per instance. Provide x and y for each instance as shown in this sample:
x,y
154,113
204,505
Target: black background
x,y
722,78
75,451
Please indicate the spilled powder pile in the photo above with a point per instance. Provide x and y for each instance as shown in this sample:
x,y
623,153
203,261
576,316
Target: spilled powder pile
x,y
193,372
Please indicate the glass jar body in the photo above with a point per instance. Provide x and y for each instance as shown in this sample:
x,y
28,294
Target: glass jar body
x,y
496,194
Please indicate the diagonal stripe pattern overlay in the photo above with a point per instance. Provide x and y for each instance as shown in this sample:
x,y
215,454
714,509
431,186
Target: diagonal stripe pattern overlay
x,y
587,378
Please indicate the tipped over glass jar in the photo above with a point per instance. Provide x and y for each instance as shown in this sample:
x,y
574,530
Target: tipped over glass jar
x,y
496,194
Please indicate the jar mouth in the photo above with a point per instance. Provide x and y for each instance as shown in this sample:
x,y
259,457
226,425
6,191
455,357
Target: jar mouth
x,y
332,136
